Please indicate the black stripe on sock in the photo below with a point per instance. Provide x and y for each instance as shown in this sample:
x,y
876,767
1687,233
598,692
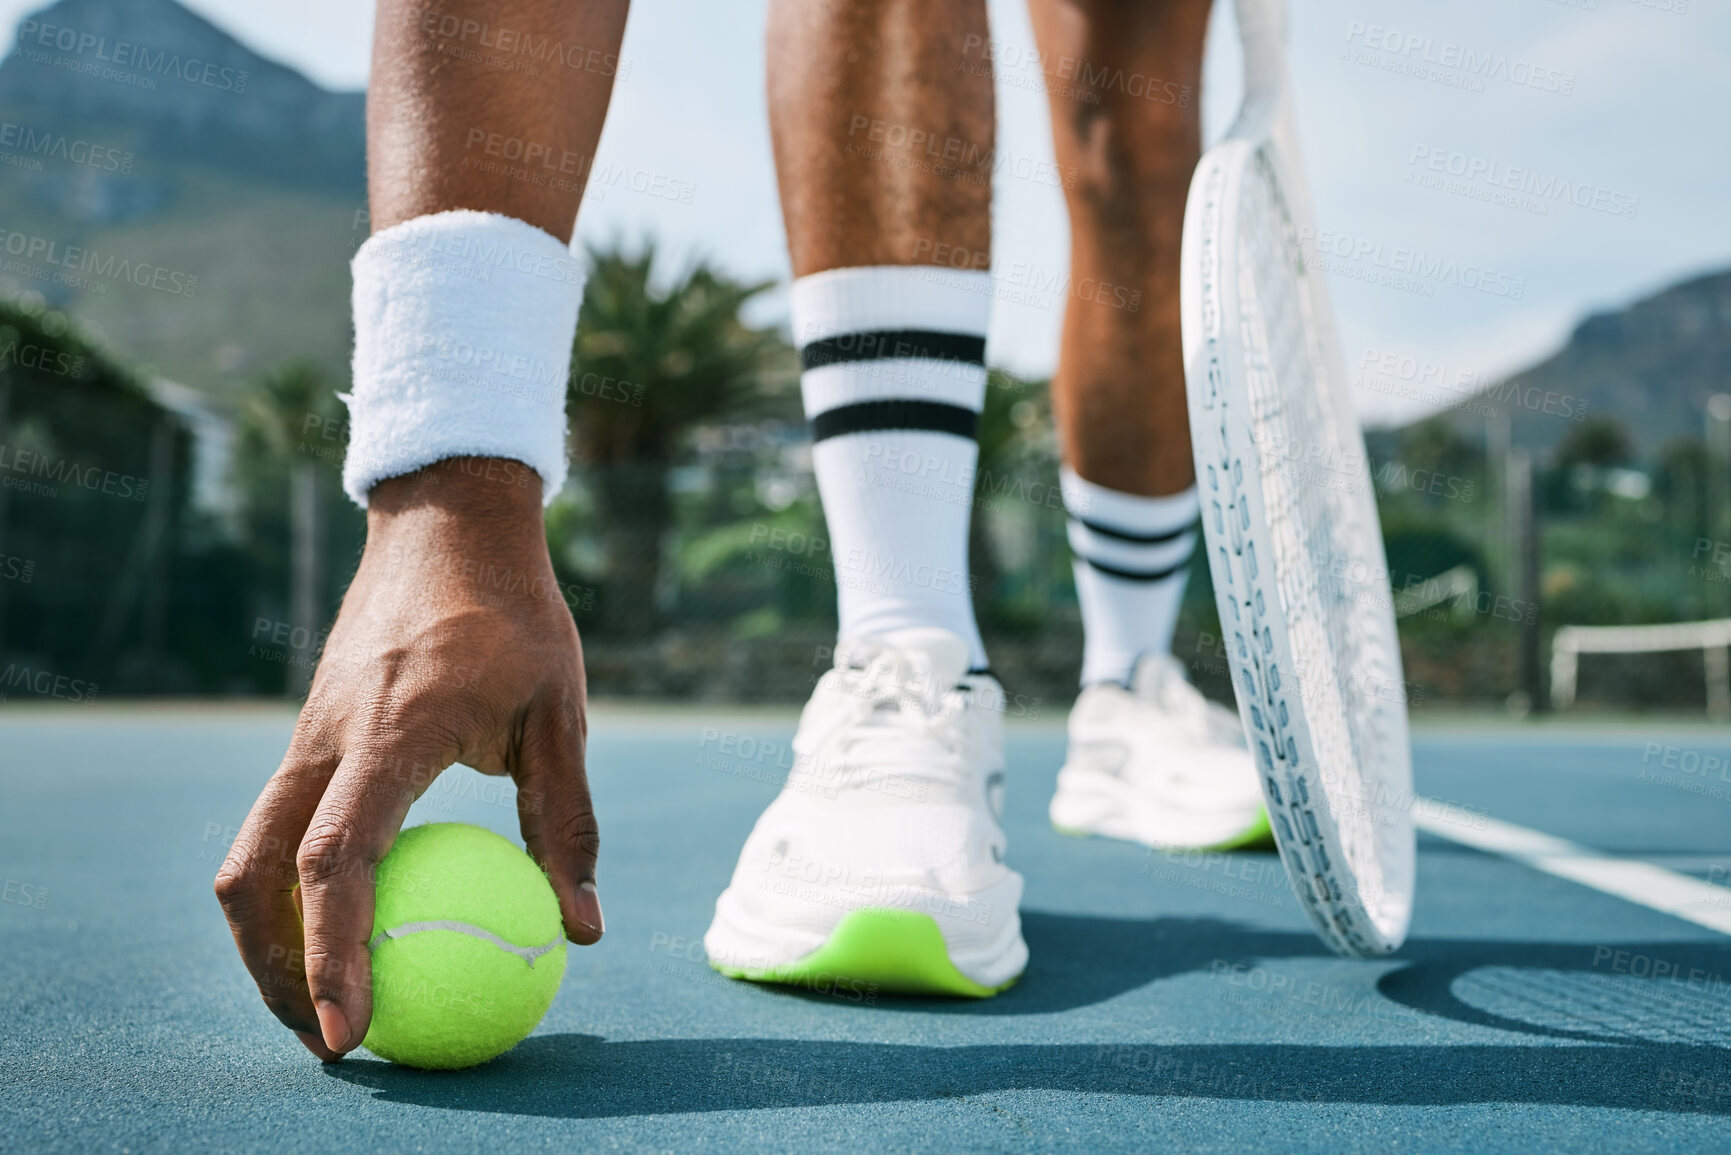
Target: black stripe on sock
x,y
885,344
1131,575
1137,538
874,416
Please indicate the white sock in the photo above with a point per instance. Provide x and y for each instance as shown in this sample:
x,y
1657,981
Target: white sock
x,y
894,377
1132,563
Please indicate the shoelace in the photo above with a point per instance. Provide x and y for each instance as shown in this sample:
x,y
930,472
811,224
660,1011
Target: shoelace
x,y
896,715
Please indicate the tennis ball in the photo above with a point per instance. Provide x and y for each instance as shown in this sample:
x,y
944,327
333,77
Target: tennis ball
x,y
468,947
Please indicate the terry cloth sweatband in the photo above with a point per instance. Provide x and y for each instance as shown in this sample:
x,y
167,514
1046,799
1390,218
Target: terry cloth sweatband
x,y
463,329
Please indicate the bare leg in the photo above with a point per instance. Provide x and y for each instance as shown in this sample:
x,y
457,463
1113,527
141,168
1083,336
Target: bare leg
x,y
448,131
883,146
850,84
1119,389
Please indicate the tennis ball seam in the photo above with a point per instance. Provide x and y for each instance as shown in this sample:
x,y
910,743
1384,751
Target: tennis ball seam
x,y
527,953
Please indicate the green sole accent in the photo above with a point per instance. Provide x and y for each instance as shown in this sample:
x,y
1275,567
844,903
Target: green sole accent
x,y
1258,836
898,952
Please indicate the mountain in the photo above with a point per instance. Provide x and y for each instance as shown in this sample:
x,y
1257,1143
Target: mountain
x,y
183,89
214,198
193,204
1651,365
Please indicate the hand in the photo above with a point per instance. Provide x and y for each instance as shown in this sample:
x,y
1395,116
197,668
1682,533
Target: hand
x,y
453,644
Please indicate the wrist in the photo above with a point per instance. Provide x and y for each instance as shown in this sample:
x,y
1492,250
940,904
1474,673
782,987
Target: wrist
x,y
485,503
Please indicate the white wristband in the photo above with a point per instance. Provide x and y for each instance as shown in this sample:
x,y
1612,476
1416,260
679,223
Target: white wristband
x,y
463,329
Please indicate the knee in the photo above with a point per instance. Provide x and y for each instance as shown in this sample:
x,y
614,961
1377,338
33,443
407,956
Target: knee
x,y
1128,159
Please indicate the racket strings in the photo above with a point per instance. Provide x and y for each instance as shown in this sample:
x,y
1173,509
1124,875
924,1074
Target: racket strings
x,y
1327,563
1613,1005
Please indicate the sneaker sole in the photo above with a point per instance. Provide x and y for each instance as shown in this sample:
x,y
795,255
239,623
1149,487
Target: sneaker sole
x,y
896,951
1259,835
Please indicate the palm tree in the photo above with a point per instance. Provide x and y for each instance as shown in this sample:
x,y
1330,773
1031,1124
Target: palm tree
x,y
283,497
648,364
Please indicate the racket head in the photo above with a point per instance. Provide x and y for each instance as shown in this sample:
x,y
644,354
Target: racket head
x,y
1295,552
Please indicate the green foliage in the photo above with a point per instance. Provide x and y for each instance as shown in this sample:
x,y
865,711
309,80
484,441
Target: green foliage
x,y
290,421
1597,441
283,421
648,365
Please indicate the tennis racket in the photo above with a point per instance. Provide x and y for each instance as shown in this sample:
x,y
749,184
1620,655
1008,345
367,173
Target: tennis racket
x,y
1289,518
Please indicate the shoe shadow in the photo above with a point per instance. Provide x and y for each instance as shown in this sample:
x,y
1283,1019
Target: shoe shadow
x,y
1081,960
585,1077
1651,1052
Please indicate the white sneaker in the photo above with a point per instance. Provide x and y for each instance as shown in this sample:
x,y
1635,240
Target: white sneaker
x,y
1159,764
881,863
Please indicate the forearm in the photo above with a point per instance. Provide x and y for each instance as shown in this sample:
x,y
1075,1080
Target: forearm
x,y
482,124
493,105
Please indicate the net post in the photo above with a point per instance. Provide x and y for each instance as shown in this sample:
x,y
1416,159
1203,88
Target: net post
x,y
1564,662
1718,511
1524,540
304,566
1717,661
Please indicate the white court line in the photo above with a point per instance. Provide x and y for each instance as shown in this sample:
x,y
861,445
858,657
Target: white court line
x,y
1642,883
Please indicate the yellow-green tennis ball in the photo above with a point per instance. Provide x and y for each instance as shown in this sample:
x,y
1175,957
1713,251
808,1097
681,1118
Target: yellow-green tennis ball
x,y
468,947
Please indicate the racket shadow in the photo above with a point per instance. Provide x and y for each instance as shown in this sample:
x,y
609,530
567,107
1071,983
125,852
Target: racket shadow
x,y
1630,993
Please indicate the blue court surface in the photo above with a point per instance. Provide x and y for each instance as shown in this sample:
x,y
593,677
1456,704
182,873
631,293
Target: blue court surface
x,y
1173,1002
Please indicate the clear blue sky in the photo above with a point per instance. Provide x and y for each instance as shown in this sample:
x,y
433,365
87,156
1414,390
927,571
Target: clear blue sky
x,y
1644,120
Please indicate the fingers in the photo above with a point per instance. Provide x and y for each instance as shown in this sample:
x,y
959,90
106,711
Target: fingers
x,y
557,818
256,889
350,831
